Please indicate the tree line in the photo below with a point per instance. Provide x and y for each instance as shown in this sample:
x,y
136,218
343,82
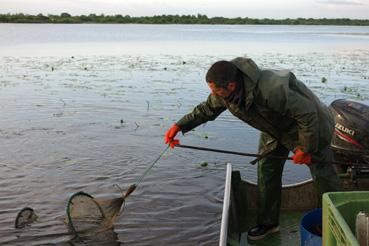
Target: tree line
x,y
173,19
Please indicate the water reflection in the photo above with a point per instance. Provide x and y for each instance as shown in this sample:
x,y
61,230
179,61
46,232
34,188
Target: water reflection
x,y
109,238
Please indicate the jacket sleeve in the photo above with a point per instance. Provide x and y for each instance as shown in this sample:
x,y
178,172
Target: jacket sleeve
x,y
296,101
205,111
304,112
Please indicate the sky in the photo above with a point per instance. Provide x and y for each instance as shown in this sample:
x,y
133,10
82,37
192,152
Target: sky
x,y
277,9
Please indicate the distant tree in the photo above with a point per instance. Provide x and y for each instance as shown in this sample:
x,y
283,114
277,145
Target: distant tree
x,y
65,15
172,19
41,18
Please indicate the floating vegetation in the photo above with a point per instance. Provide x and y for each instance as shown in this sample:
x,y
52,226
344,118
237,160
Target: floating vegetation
x,y
122,122
349,89
324,80
137,126
345,89
66,159
64,103
354,91
148,105
204,164
60,114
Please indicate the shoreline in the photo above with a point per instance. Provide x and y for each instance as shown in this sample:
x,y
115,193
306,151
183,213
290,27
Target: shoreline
x,y
65,18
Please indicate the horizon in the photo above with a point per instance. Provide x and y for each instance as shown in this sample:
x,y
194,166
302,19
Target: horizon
x,y
150,16
255,9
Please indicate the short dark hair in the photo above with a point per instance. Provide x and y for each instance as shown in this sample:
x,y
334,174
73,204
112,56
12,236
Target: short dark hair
x,y
223,72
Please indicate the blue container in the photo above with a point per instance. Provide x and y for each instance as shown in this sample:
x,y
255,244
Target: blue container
x,y
311,228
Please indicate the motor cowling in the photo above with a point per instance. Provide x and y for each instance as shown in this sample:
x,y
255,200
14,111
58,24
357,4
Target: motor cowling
x,y
350,142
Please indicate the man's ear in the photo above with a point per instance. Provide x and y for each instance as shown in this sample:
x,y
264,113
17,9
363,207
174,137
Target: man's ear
x,y
231,86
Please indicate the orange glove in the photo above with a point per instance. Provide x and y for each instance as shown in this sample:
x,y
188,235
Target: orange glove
x,y
170,135
301,158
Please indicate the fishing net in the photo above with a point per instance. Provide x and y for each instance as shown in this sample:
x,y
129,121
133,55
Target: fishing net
x,y
88,216
25,217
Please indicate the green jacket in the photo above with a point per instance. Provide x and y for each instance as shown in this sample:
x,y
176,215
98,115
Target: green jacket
x,y
275,103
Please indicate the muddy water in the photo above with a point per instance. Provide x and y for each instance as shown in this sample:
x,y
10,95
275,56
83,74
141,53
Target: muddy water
x,y
76,121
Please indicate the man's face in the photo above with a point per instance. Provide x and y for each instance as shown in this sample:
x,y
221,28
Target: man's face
x,y
222,92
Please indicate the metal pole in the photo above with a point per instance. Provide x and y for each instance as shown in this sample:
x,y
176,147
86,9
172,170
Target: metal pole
x,y
226,205
258,156
230,152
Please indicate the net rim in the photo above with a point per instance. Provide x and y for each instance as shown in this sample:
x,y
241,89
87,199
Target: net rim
x,y
70,221
32,211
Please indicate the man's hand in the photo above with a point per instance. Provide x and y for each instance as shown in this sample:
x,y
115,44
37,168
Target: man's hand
x,y
301,158
170,135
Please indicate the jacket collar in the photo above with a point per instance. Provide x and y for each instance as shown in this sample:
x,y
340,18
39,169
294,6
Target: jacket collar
x,y
251,75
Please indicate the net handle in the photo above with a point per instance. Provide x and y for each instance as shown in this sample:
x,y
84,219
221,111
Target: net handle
x,y
132,187
258,156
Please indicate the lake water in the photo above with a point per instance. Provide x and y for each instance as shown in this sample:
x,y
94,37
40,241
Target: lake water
x,y
85,107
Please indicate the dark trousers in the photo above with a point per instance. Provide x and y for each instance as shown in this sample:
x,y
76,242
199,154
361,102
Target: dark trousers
x,y
270,179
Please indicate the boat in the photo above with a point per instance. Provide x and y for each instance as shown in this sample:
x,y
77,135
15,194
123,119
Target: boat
x,y
297,199
350,145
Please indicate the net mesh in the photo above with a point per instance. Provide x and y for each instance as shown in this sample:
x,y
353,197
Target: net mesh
x,y
25,217
87,215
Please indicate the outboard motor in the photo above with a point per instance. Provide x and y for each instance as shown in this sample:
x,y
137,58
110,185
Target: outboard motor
x,y
350,142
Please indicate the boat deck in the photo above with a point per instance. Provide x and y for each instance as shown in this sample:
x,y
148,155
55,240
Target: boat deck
x,y
289,233
297,199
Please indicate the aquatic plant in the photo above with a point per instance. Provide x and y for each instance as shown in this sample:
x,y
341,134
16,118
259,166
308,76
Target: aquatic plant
x,y
203,164
148,105
137,126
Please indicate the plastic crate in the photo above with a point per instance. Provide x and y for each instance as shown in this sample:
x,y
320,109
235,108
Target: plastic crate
x,y
339,216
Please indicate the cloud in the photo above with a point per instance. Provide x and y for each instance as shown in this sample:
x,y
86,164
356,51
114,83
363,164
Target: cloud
x,y
340,2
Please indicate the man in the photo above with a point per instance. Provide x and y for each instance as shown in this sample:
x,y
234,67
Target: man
x,y
290,118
